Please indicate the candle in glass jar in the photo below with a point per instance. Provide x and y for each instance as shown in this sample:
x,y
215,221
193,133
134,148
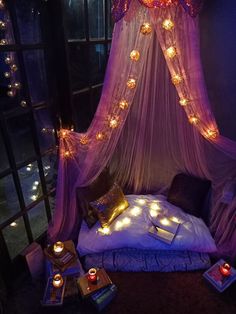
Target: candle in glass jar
x,y
92,275
225,269
57,281
58,248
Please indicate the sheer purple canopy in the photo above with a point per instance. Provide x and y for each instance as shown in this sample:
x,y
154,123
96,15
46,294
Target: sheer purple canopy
x,y
153,120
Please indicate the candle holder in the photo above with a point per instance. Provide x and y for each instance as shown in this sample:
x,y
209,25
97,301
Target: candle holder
x,y
225,269
92,275
58,248
57,281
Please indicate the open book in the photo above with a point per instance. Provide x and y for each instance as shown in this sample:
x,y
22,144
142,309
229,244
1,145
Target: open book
x,y
164,229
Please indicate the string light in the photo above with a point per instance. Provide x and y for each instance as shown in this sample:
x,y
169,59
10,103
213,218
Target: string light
x,y
23,103
3,42
2,6
171,52
134,55
8,60
33,197
7,74
13,224
184,102
141,201
14,67
123,104
131,83
126,221
176,79
164,221
146,28
211,134
84,140
104,230
67,154
100,136
153,213
136,211
114,122
10,93
193,119
168,24
155,206
17,85
2,25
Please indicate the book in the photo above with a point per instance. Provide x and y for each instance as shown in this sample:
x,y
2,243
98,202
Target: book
x,y
167,224
87,288
73,269
103,297
53,296
161,234
219,281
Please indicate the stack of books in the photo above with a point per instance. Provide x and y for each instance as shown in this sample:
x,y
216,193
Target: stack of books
x,y
164,229
219,281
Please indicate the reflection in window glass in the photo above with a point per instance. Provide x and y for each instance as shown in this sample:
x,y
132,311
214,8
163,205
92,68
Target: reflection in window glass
x,y
15,237
96,19
21,137
36,75
38,220
6,33
3,156
30,182
9,204
74,19
28,18
50,170
98,62
45,130
79,66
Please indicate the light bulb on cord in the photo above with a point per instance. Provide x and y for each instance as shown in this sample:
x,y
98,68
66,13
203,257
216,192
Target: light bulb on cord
x,y
168,24
171,52
176,79
100,136
134,55
131,83
193,119
146,28
184,101
114,122
123,104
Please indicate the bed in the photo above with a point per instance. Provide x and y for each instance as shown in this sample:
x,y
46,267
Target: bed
x,y
126,244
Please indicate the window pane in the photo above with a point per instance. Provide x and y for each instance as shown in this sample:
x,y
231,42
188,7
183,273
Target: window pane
x,y
74,19
6,34
79,66
52,201
46,132
97,63
109,19
30,182
83,111
38,220
36,75
96,19
28,18
10,81
21,137
50,170
15,237
3,156
9,204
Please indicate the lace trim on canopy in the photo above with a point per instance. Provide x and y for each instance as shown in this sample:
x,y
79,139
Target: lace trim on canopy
x,y
120,7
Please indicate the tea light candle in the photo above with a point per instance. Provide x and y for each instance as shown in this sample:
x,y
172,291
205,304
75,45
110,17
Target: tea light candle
x,y
58,247
92,275
225,269
57,281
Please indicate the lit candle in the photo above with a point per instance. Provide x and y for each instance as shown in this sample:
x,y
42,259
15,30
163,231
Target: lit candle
x,y
57,281
92,275
58,248
225,269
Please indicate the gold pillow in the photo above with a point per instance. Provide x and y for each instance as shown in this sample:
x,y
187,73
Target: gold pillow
x,y
110,205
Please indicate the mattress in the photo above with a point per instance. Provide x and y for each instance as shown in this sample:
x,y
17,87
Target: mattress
x,y
130,229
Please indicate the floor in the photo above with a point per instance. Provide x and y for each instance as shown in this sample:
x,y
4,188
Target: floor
x,y
161,293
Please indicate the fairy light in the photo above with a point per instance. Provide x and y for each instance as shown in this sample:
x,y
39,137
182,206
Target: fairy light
x,y
14,67
175,219
126,221
164,221
7,74
17,85
131,83
141,201
104,230
168,24
134,55
136,211
211,134
2,25
67,154
100,136
84,140
118,225
33,197
114,122
3,42
171,52
153,213
146,28
193,119
10,93
176,79
13,224
2,6
154,206
123,104
8,60
183,102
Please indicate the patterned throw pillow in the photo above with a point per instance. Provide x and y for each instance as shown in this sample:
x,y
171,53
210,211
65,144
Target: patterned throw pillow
x,y
110,205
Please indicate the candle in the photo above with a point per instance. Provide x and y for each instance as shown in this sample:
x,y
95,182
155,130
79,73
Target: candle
x,y
92,275
57,281
58,248
225,269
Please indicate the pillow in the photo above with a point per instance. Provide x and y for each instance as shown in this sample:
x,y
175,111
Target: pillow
x,y
86,194
110,205
189,193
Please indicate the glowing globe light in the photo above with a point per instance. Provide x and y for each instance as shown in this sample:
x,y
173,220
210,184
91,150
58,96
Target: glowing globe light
x,y
146,28
134,55
168,25
123,104
176,79
131,83
184,101
171,52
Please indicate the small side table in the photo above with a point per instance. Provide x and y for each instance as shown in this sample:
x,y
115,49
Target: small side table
x,y
216,279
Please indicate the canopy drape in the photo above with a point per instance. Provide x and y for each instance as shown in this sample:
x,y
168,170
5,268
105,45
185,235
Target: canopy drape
x,y
144,126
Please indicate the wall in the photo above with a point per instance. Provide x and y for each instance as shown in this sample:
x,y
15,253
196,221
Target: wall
x,y
218,48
